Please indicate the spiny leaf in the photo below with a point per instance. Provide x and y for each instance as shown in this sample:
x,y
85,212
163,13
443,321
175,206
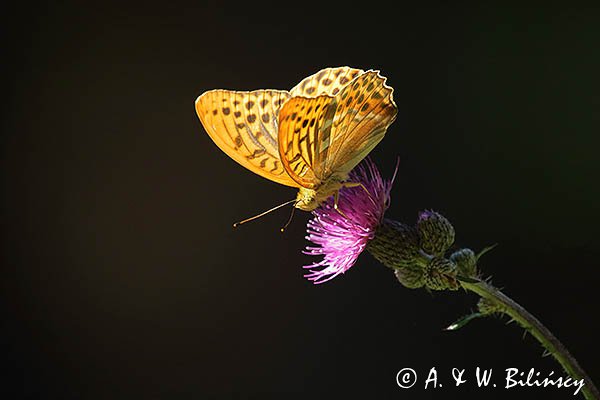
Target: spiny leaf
x,y
463,321
485,250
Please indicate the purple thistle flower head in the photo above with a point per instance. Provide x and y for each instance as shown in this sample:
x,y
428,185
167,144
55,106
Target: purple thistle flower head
x,y
338,239
425,215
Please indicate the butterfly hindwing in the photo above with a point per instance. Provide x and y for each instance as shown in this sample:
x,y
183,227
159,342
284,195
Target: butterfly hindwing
x,y
365,109
245,126
328,81
323,136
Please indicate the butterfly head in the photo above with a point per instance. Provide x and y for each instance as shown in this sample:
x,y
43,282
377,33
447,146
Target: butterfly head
x,y
306,199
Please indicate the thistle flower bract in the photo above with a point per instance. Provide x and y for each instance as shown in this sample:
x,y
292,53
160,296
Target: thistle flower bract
x,y
340,236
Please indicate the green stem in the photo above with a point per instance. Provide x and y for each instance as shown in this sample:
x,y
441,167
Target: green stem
x,y
539,331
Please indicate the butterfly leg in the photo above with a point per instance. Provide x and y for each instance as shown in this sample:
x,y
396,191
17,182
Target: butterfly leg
x,y
357,184
336,197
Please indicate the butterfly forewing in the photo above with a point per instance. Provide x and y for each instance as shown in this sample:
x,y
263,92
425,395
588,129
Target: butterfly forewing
x,y
328,81
304,124
245,126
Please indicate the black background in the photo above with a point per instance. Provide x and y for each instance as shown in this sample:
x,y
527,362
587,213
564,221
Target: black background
x,y
123,278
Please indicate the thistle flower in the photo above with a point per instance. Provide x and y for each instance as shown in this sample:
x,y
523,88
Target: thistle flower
x,y
416,254
341,236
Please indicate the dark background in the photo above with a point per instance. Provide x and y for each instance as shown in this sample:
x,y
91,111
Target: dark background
x,y
123,278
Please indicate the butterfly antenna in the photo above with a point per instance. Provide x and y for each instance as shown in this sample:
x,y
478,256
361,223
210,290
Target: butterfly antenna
x,y
263,213
289,220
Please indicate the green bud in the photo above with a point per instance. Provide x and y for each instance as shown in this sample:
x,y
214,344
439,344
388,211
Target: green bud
x,y
440,274
395,245
436,233
466,262
411,277
487,307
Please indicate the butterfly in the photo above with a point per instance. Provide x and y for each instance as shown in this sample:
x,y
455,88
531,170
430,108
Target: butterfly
x,y
309,137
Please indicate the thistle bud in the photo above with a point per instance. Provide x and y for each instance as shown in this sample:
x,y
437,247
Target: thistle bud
x,y
440,274
466,262
395,245
487,307
436,233
411,277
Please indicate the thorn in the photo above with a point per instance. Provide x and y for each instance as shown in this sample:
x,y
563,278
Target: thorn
x,y
546,353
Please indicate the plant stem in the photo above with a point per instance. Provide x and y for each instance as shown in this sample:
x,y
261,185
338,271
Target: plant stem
x,y
539,331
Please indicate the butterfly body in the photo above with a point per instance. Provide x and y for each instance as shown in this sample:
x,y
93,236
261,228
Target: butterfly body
x,y
309,199
310,137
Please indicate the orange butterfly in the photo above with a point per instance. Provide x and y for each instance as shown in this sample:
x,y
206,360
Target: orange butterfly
x,y
310,137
